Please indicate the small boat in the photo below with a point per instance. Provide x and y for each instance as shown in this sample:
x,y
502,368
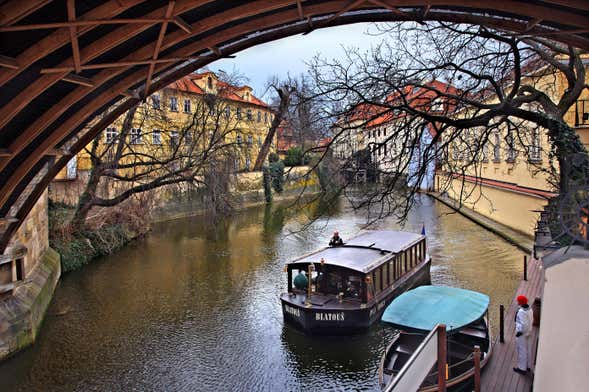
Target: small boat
x,y
350,285
416,312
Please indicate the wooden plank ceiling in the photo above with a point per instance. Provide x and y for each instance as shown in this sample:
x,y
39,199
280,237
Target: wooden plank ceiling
x,y
63,62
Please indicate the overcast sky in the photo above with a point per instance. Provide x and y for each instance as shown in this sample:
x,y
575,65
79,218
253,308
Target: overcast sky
x,y
289,55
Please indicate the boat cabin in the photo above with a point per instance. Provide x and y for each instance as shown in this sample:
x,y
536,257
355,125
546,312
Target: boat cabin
x,y
368,270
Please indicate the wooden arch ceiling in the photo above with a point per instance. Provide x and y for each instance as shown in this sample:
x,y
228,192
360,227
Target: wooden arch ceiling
x,y
63,62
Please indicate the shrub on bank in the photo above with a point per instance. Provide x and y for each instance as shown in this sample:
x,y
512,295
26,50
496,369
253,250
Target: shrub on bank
x,y
78,247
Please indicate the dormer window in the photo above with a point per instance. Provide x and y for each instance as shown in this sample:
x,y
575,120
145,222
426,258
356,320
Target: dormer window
x,y
437,105
210,83
155,101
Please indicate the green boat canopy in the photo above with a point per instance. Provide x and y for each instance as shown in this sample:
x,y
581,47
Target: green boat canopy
x,y
425,306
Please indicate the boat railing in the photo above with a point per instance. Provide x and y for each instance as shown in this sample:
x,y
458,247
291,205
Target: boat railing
x,y
431,350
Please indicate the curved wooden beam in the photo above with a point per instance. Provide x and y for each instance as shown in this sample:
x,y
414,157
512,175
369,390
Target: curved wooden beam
x,y
88,53
61,37
516,7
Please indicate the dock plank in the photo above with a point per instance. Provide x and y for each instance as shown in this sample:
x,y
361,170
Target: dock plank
x,y
498,375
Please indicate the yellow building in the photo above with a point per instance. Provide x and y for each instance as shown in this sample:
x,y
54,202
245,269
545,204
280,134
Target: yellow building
x,y
199,110
509,182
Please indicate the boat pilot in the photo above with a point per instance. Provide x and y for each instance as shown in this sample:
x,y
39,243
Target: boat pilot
x,y
523,329
336,240
300,281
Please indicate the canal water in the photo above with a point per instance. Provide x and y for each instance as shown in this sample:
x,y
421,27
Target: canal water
x,y
194,307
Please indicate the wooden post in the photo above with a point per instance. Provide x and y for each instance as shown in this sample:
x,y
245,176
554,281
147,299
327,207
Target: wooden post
x,y
525,267
441,358
501,324
309,279
477,368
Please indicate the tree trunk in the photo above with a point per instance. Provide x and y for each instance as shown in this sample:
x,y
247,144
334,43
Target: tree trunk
x,y
284,93
86,200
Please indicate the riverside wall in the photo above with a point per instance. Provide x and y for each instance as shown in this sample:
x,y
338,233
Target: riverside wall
x,y
22,310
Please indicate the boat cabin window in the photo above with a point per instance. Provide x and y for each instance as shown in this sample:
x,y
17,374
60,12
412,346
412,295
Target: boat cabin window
x,y
328,280
376,277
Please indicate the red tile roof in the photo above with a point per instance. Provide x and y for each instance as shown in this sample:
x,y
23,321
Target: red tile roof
x,y
224,89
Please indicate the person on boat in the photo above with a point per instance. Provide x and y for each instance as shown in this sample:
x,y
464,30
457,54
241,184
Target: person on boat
x,y
301,281
336,240
523,329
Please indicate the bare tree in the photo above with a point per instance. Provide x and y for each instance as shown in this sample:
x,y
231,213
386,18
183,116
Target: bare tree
x,y
154,150
284,90
494,83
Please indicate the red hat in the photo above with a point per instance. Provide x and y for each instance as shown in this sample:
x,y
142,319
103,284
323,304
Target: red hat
x,y
522,300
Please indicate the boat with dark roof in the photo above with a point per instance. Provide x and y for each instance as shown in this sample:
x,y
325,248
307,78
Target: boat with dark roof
x,y
341,289
416,312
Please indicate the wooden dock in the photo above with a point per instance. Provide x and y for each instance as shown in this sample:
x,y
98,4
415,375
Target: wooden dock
x,y
498,375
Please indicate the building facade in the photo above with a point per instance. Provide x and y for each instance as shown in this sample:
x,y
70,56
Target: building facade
x,y
199,113
510,180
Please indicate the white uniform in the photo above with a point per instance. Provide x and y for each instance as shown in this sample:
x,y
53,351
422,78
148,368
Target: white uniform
x,y
523,323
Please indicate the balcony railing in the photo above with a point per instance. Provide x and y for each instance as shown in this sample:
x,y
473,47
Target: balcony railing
x,y
582,112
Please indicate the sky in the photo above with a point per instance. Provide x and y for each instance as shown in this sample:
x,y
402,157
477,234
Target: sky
x,y
289,55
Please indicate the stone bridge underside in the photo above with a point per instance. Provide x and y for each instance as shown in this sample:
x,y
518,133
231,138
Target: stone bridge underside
x,y
64,62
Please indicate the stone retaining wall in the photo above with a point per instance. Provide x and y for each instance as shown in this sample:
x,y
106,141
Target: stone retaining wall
x,y
21,313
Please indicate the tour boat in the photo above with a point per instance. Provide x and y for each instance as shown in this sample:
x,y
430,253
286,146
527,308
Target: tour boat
x,y
350,285
416,312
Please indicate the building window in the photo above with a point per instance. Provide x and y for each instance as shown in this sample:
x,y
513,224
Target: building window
x,y
437,105
156,136
265,117
259,140
210,83
135,135
249,114
497,148
155,101
535,148
72,168
384,132
188,136
174,104
486,152
236,164
248,162
227,112
238,113
110,135
174,139
239,140
250,140
259,116
187,106
510,147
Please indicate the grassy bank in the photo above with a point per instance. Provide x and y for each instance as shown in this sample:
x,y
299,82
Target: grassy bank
x,y
78,247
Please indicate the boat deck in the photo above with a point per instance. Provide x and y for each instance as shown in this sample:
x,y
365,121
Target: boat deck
x,y
498,375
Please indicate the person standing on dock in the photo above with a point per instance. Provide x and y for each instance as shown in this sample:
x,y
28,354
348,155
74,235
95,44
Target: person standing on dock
x,y
336,240
523,329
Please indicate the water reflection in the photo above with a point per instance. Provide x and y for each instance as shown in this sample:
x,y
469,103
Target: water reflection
x,y
194,306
